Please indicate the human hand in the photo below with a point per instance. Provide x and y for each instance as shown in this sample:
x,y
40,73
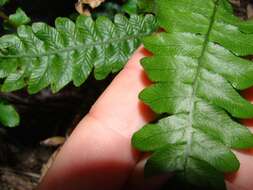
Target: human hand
x,y
99,156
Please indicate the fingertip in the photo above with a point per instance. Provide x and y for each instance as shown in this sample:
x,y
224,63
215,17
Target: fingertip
x,y
140,53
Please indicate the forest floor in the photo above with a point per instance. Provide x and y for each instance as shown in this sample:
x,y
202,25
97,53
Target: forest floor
x,y
23,150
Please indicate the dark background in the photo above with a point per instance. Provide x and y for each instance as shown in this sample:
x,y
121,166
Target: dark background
x,y
45,114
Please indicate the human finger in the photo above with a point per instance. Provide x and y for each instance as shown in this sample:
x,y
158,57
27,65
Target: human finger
x,y
99,155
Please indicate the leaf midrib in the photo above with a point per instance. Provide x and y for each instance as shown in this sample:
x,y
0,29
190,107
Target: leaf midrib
x,y
195,86
72,48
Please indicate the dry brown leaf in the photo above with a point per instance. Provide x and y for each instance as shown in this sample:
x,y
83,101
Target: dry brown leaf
x,y
53,141
81,10
85,11
250,11
92,3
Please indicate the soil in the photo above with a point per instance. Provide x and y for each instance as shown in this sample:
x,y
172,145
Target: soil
x,y
46,115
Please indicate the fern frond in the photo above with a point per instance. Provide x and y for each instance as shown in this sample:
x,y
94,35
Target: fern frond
x,y
3,2
197,69
8,115
40,55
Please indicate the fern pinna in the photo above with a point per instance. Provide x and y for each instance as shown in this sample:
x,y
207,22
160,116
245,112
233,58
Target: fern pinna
x,y
40,55
197,70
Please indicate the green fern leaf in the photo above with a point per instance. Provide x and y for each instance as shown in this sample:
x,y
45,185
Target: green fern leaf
x,y
3,2
40,55
18,18
197,72
8,115
138,6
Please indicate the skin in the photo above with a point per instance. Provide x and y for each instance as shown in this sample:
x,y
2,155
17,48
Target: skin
x,y
99,156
